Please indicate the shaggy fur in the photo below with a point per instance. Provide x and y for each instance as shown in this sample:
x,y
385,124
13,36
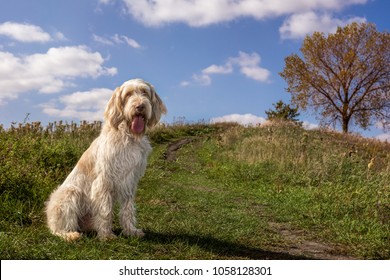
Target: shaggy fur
x,y
109,170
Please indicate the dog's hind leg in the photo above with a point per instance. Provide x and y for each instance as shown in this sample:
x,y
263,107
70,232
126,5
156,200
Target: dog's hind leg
x,y
64,208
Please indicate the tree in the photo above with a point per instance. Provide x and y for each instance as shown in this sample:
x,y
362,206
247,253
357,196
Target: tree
x,y
343,76
283,112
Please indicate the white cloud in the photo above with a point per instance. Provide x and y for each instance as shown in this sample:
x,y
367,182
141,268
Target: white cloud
x,y
86,105
131,42
185,83
102,40
248,64
299,25
202,79
24,32
120,39
116,39
383,124
385,137
48,72
205,12
245,119
256,73
106,2
60,36
308,125
215,69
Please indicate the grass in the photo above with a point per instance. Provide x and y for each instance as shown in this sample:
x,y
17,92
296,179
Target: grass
x,y
230,193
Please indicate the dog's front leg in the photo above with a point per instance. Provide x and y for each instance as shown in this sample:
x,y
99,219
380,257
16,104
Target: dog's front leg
x,y
102,204
127,217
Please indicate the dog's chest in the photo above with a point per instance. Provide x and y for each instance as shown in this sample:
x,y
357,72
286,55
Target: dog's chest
x,y
130,160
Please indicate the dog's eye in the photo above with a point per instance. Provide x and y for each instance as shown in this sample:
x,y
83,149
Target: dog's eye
x,y
144,91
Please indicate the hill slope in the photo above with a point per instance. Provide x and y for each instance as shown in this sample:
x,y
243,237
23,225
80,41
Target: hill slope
x,y
211,192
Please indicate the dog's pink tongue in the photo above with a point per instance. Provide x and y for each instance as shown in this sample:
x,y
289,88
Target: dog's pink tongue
x,y
138,125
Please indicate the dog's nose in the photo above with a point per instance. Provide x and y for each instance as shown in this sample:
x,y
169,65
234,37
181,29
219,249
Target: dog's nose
x,y
140,108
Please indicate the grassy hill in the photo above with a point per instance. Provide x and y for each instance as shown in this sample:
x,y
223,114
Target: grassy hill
x,y
211,192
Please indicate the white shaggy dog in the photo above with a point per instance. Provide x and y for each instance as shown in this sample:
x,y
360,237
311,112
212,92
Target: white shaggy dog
x,y
109,170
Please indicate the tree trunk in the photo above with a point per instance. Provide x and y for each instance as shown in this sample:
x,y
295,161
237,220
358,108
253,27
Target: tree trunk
x,y
345,124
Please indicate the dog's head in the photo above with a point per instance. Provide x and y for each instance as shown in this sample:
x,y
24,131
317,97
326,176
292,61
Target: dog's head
x,y
137,105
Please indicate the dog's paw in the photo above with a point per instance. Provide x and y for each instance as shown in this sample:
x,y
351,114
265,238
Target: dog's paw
x,y
134,232
69,236
107,236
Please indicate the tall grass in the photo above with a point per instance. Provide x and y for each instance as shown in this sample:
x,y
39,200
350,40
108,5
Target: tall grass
x,y
33,160
318,179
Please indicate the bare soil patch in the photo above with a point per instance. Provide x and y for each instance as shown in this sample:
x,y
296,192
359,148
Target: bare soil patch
x,y
170,154
297,243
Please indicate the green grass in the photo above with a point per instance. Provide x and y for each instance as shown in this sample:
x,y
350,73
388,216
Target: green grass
x,y
226,195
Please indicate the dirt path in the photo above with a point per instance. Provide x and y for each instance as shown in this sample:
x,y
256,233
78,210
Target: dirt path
x,y
295,242
170,154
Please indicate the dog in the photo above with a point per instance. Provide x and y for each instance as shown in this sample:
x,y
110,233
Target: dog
x,y
109,170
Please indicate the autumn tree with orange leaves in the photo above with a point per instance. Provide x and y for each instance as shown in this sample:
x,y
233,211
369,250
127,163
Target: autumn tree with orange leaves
x,y
343,76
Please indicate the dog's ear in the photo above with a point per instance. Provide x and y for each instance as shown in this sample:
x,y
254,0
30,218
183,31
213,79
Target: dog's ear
x,y
158,108
114,110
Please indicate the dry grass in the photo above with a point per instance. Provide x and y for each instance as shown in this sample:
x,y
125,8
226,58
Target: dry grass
x,y
316,151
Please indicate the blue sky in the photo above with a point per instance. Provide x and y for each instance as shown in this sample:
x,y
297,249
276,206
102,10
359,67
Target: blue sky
x,y
220,59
